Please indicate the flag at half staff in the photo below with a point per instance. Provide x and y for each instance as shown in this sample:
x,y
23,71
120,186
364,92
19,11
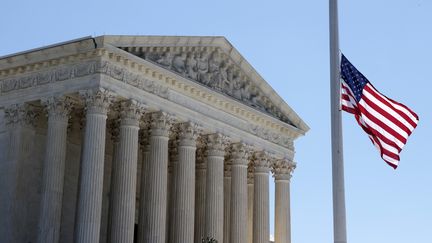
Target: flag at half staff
x,y
387,122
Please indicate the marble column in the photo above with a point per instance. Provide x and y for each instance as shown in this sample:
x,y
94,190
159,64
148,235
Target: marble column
x,y
144,142
261,221
156,190
113,127
92,167
123,189
282,170
172,173
20,122
214,187
227,200
250,196
200,191
184,214
238,215
58,109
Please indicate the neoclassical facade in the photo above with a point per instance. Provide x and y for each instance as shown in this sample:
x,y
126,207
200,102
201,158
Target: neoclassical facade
x,y
149,139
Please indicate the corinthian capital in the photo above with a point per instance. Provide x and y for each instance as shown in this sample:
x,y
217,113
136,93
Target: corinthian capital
x,y
97,101
131,112
21,115
240,153
188,133
216,144
283,169
262,162
58,107
160,123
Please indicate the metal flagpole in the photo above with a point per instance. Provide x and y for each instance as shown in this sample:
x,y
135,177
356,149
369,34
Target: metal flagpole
x,y
339,218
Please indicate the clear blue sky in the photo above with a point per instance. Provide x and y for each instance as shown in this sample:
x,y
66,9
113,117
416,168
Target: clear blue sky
x,y
287,43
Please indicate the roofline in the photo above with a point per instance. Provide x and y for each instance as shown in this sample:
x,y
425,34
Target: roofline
x,y
223,42
48,46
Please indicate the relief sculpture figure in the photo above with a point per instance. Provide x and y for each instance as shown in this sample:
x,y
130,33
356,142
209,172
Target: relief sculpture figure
x,y
203,68
191,66
179,63
165,59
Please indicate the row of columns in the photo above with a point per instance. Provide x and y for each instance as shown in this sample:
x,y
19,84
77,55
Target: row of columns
x,y
217,207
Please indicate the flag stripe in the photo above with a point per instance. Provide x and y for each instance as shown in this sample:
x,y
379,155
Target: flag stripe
x,y
405,113
380,132
389,112
387,122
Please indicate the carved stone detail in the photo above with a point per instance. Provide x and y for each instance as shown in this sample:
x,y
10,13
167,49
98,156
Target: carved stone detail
x,y
262,162
144,132
214,69
130,112
21,115
58,107
216,144
201,155
250,173
241,153
283,169
97,101
266,134
188,133
59,74
160,123
113,126
173,144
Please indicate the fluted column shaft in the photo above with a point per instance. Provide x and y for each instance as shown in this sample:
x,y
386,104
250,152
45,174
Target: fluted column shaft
x,y
261,226
250,195
184,213
54,169
282,173
92,169
227,203
200,196
282,212
172,173
239,195
124,176
215,188
144,175
156,190
19,120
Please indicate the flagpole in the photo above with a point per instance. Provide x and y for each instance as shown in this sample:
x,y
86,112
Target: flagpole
x,y
339,217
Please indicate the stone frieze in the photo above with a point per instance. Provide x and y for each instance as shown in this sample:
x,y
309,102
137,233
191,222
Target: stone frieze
x,y
214,69
64,73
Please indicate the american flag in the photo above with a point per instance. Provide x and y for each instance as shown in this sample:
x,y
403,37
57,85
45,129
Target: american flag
x,y
387,122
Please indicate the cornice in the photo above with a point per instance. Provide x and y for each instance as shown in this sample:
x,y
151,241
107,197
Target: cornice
x,y
127,68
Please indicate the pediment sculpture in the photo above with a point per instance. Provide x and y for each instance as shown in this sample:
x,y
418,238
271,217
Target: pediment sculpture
x,y
212,68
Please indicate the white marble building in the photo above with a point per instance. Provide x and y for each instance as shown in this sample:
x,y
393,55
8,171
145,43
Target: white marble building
x,y
148,139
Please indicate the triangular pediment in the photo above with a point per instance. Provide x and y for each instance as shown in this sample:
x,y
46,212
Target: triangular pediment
x,y
213,62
